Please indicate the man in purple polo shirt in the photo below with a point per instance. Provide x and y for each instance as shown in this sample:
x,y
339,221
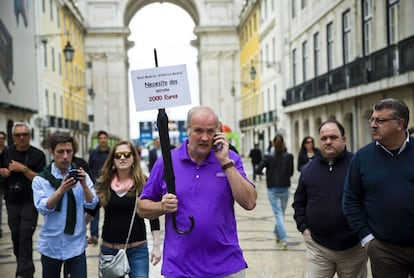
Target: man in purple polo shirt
x,y
208,181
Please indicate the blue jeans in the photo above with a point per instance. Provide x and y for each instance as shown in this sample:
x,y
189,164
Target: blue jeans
x,y
75,267
278,198
138,258
95,225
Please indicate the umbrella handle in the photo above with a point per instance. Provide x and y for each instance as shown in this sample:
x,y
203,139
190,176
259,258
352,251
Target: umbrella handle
x,y
180,231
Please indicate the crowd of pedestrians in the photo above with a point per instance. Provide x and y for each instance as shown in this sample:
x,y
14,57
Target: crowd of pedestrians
x,y
350,208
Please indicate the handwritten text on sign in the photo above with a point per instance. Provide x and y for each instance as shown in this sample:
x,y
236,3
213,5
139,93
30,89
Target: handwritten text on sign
x,y
160,87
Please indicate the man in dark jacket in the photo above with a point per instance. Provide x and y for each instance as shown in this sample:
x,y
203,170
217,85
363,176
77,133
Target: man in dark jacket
x,y
21,163
331,245
255,156
379,192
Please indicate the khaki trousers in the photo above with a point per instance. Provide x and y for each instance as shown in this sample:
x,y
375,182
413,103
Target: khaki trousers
x,y
389,260
322,262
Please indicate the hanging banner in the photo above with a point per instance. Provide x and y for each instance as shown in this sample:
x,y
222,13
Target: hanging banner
x,y
160,87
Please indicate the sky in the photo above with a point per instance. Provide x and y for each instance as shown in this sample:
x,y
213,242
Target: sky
x,y
169,29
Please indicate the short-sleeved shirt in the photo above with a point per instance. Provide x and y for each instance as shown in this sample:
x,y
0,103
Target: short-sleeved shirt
x,y
35,160
211,249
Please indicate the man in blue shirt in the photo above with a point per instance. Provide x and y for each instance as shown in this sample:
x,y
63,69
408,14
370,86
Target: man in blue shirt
x,y
378,197
61,199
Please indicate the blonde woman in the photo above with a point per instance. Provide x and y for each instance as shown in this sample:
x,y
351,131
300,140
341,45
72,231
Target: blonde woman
x,y
121,181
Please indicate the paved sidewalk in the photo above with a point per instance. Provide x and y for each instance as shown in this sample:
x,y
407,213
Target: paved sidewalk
x,y
255,234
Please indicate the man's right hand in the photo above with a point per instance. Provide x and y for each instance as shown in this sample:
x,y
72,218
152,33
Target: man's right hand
x,y
169,203
306,232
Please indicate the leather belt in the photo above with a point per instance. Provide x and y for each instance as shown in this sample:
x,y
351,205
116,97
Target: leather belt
x,y
122,245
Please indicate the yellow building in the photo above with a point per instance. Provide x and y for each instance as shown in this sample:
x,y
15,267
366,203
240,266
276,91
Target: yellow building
x,y
63,93
251,99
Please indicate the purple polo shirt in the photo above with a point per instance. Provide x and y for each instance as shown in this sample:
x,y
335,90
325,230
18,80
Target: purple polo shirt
x,y
211,249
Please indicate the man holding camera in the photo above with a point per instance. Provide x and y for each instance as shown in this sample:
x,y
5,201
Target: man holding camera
x,y
61,192
21,162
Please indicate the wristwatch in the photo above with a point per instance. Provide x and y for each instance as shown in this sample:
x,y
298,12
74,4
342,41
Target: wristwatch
x,y
228,165
24,170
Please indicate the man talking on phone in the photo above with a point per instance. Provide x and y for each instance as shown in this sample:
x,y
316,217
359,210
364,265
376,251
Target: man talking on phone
x,y
211,179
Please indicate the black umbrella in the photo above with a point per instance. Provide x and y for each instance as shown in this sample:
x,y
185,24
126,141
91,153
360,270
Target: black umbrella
x,y
162,124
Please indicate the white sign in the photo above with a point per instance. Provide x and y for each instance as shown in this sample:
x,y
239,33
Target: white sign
x,y
161,87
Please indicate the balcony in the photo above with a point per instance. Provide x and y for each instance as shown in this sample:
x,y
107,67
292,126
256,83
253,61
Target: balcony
x,y
384,63
264,118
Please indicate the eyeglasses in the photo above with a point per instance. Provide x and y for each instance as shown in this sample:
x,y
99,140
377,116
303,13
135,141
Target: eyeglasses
x,y
120,154
21,134
381,121
2,138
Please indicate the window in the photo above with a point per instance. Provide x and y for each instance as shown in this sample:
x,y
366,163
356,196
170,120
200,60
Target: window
x,y
393,21
267,57
304,60
254,23
268,100
43,6
51,9
316,54
367,25
52,54
47,102
302,4
346,35
54,104
57,17
294,66
60,63
293,8
45,55
330,42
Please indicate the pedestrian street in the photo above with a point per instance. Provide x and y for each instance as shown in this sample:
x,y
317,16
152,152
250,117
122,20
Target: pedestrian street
x,y
256,238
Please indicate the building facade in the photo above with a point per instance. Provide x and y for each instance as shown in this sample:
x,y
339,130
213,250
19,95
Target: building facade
x,y
344,57
62,87
266,66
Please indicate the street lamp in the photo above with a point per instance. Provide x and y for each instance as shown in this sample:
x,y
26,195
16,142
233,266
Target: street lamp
x,y
253,73
69,52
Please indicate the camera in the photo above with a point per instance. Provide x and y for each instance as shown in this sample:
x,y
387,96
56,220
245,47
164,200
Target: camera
x,y
73,174
16,187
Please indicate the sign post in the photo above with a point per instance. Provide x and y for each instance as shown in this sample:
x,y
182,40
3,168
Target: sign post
x,y
163,87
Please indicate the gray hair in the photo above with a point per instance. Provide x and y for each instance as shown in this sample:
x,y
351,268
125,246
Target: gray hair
x,y
19,124
195,109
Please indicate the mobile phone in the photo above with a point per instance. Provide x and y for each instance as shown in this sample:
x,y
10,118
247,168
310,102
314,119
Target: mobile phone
x,y
73,174
217,147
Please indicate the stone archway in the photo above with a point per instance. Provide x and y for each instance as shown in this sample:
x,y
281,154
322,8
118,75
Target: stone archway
x,y
106,48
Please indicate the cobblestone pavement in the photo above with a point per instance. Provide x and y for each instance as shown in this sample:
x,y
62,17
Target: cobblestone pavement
x,y
255,234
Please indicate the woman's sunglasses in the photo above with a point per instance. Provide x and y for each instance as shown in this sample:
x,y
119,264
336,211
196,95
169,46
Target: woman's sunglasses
x,y
120,154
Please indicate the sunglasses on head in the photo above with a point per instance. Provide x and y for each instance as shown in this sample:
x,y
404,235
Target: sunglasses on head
x,y
118,155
